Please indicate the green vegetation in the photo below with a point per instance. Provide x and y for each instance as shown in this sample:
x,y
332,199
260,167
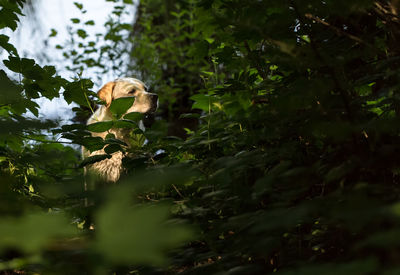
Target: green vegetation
x,y
275,148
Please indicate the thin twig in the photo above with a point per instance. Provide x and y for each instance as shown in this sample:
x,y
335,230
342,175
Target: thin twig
x,y
336,29
177,191
384,12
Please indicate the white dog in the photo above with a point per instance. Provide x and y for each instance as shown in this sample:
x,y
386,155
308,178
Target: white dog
x,y
145,102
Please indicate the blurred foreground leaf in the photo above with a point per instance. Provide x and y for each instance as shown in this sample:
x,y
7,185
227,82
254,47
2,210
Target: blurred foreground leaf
x,y
33,232
137,234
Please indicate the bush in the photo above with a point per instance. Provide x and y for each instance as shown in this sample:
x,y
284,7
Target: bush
x,y
274,148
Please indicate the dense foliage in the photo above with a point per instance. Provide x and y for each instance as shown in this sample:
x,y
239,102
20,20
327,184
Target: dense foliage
x,y
274,149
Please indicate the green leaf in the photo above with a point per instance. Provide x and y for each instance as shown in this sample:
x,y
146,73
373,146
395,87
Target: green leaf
x,y
53,33
75,20
68,128
119,106
112,148
19,65
7,46
90,23
91,143
94,159
79,91
9,91
203,102
8,15
37,79
125,124
137,138
210,40
134,116
99,127
78,5
33,232
114,141
82,33
140,234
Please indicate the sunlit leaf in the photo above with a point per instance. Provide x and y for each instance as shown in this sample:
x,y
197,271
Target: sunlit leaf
x,y
203,102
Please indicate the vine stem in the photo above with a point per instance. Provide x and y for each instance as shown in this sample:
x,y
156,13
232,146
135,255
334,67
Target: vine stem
x,y
86,97
87,101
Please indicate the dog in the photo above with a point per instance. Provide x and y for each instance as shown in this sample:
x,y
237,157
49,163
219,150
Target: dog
x,y
110,169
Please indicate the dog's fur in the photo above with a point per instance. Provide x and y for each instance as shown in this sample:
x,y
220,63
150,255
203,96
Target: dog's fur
x,y
145,102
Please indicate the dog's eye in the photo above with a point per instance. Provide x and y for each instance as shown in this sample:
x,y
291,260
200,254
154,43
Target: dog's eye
x,y
132,92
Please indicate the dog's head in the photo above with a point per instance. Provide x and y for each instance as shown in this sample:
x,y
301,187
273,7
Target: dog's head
x,y
145,102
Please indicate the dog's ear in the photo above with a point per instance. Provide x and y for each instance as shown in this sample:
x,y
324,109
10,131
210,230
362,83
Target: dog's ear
x,y
106,92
